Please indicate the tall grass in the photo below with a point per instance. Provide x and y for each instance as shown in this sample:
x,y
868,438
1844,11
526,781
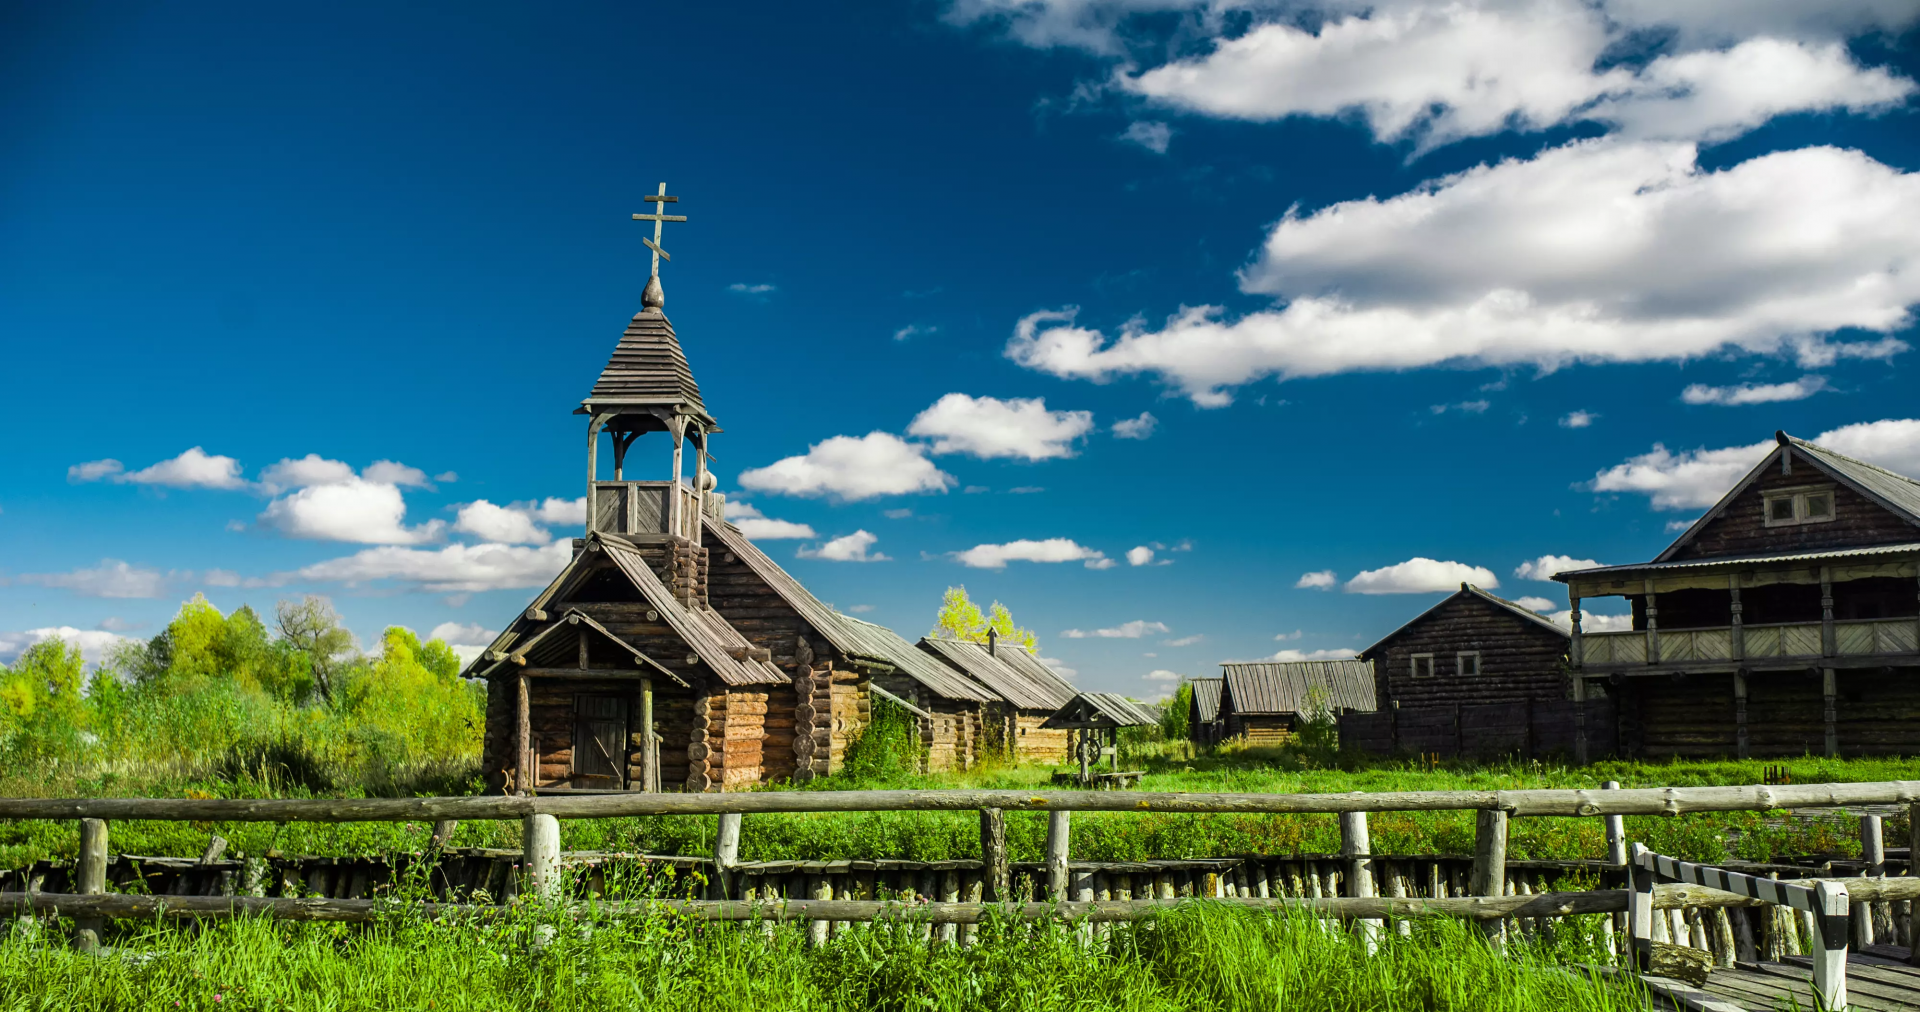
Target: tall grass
x,y
1199,956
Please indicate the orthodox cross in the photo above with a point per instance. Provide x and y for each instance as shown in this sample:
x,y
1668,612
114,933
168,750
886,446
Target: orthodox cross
x,y
658,218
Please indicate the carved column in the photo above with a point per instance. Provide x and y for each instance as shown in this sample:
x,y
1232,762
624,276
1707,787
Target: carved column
x,y
1738,635
1826,612
1653,627
1740,713
1828,688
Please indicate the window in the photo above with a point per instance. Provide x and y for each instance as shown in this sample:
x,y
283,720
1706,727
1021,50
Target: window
x,y
1467,663
1788,507
1423,665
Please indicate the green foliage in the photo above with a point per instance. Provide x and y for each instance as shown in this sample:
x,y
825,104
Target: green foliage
x,y
42,712
1176,711
959,618
887,749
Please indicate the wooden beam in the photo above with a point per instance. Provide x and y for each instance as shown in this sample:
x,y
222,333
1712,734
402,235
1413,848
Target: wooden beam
x,y
623,674
524,763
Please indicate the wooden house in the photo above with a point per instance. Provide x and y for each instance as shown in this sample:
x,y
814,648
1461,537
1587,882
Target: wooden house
x,y
1203,712
1785,621
1475,674
1262,702
1028,693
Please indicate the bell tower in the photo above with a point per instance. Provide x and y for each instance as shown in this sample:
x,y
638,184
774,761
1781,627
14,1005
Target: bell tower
x,y
648,387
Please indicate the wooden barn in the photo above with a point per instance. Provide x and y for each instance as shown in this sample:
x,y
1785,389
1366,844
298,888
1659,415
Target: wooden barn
x,y
1473,675
1028,693
1203,712
1262,702
1785,621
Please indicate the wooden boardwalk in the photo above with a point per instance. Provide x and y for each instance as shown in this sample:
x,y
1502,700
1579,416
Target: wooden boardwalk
x,y
1878,980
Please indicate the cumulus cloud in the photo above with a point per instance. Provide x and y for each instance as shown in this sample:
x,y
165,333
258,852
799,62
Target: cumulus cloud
x,y
1577,419
502,524
757,526
912,330
1150,134
1535,603
354,510
1321,580
220,578
95,644
850,548
112,578
1545,566
1764,393
852,468
392,472
1139,555
311,469
1124,631
987,427
1421,575
1024,550
452,569
1136,428
1590,622
467,639
1311,655
94,470
1594,252
1163,675
195,468
1184,641
1692,479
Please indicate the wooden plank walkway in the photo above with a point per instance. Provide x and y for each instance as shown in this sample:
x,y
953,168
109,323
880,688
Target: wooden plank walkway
x,y
1878,980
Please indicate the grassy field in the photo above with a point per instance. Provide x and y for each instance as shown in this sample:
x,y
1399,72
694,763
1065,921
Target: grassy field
x,y
1197,957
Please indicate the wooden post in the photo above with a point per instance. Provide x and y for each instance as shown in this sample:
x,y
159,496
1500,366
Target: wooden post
x,y
1489,861
593,473
1829,687
1740,713
540,843
726,853
1640,911
994,871
1873,854
817,930
1616,830
1357,847
649,748
1653,627
1059,828
1579,718
1739,632
1830,946
1826,612
1913,868
1086,761
442,832
525,761
90,874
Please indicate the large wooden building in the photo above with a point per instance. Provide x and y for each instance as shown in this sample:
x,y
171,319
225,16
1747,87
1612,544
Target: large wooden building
x,y
1475,674
1263,702
1785,621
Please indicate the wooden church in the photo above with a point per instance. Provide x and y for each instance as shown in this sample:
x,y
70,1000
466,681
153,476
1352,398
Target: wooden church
x,y
673,654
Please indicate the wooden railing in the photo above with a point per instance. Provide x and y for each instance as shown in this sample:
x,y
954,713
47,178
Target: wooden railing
x,y
1068,891
1781,641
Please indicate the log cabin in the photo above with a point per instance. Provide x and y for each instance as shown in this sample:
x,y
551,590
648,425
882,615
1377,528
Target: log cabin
x,y
1473,675
1028,691
1785,621
1203,711
1263,702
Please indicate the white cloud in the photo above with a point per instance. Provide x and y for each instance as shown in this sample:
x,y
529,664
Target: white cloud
x,y
467,634
987,427
1765,393
1577,419
1420,575
860,609
94,470
851,548
1466,407
757,526
220,578
743,288
95,644
913,330
848,467
1594,252
555,510
311,469
1136,428
1150,134
194,468
1059,666
502,524
1312,655
453,569
1536,603
1184,641
1545,566
1693,479
395,473
1163,675
447,476
1321,580
112,578
1139,555
1294,635
896,514
1124,631
1590,622
355,510
1024,550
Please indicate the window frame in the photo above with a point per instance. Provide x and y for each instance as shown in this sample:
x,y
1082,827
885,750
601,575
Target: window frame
x,y
1415,659
1459,668
1798,496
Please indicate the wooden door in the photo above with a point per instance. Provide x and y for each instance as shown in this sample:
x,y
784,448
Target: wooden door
x,y
600,741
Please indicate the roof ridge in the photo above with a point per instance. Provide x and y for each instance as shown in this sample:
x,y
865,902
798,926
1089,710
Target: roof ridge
x,y
1836,454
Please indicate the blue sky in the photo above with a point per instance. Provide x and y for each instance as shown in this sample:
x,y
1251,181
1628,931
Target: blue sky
x,y
1470,283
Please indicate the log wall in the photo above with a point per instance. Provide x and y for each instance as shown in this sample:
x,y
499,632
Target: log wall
x,y
1877,712
1036,744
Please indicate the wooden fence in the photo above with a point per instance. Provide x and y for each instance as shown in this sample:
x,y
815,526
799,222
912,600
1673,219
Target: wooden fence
x,y
1069,891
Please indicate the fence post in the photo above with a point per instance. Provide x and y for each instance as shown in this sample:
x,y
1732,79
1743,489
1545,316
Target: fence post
x,y
1059,829
1640,910
90,873
994,872
443,832
821,889
540,843
1616,830
726,852
1913,868
1873,854
1830,963
1357,847
1490,863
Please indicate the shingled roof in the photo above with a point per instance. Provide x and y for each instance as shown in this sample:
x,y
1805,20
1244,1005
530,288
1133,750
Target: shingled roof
x,y
1206,698
647,368
1299,686
1103,709
1019,677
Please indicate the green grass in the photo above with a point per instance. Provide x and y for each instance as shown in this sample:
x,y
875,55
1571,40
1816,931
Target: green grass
x,y
1197,957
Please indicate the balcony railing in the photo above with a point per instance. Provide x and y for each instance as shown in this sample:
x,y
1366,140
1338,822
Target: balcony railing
x,y
645,508
1785,641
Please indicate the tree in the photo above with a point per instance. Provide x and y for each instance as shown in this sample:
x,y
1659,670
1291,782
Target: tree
x,y
311,626
959,618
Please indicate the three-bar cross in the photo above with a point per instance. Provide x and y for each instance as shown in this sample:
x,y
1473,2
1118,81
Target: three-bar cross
x,y
658,219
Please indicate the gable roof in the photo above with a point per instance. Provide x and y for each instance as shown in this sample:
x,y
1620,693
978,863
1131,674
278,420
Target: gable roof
x,y
1102,709
548,646
1206,698
1471,592
849,635
647,367
1292,686
720,647
1893,492
1016,675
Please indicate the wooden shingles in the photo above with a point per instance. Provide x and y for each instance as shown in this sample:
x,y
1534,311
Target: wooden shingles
x,y
648,367
704,630
1016,675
